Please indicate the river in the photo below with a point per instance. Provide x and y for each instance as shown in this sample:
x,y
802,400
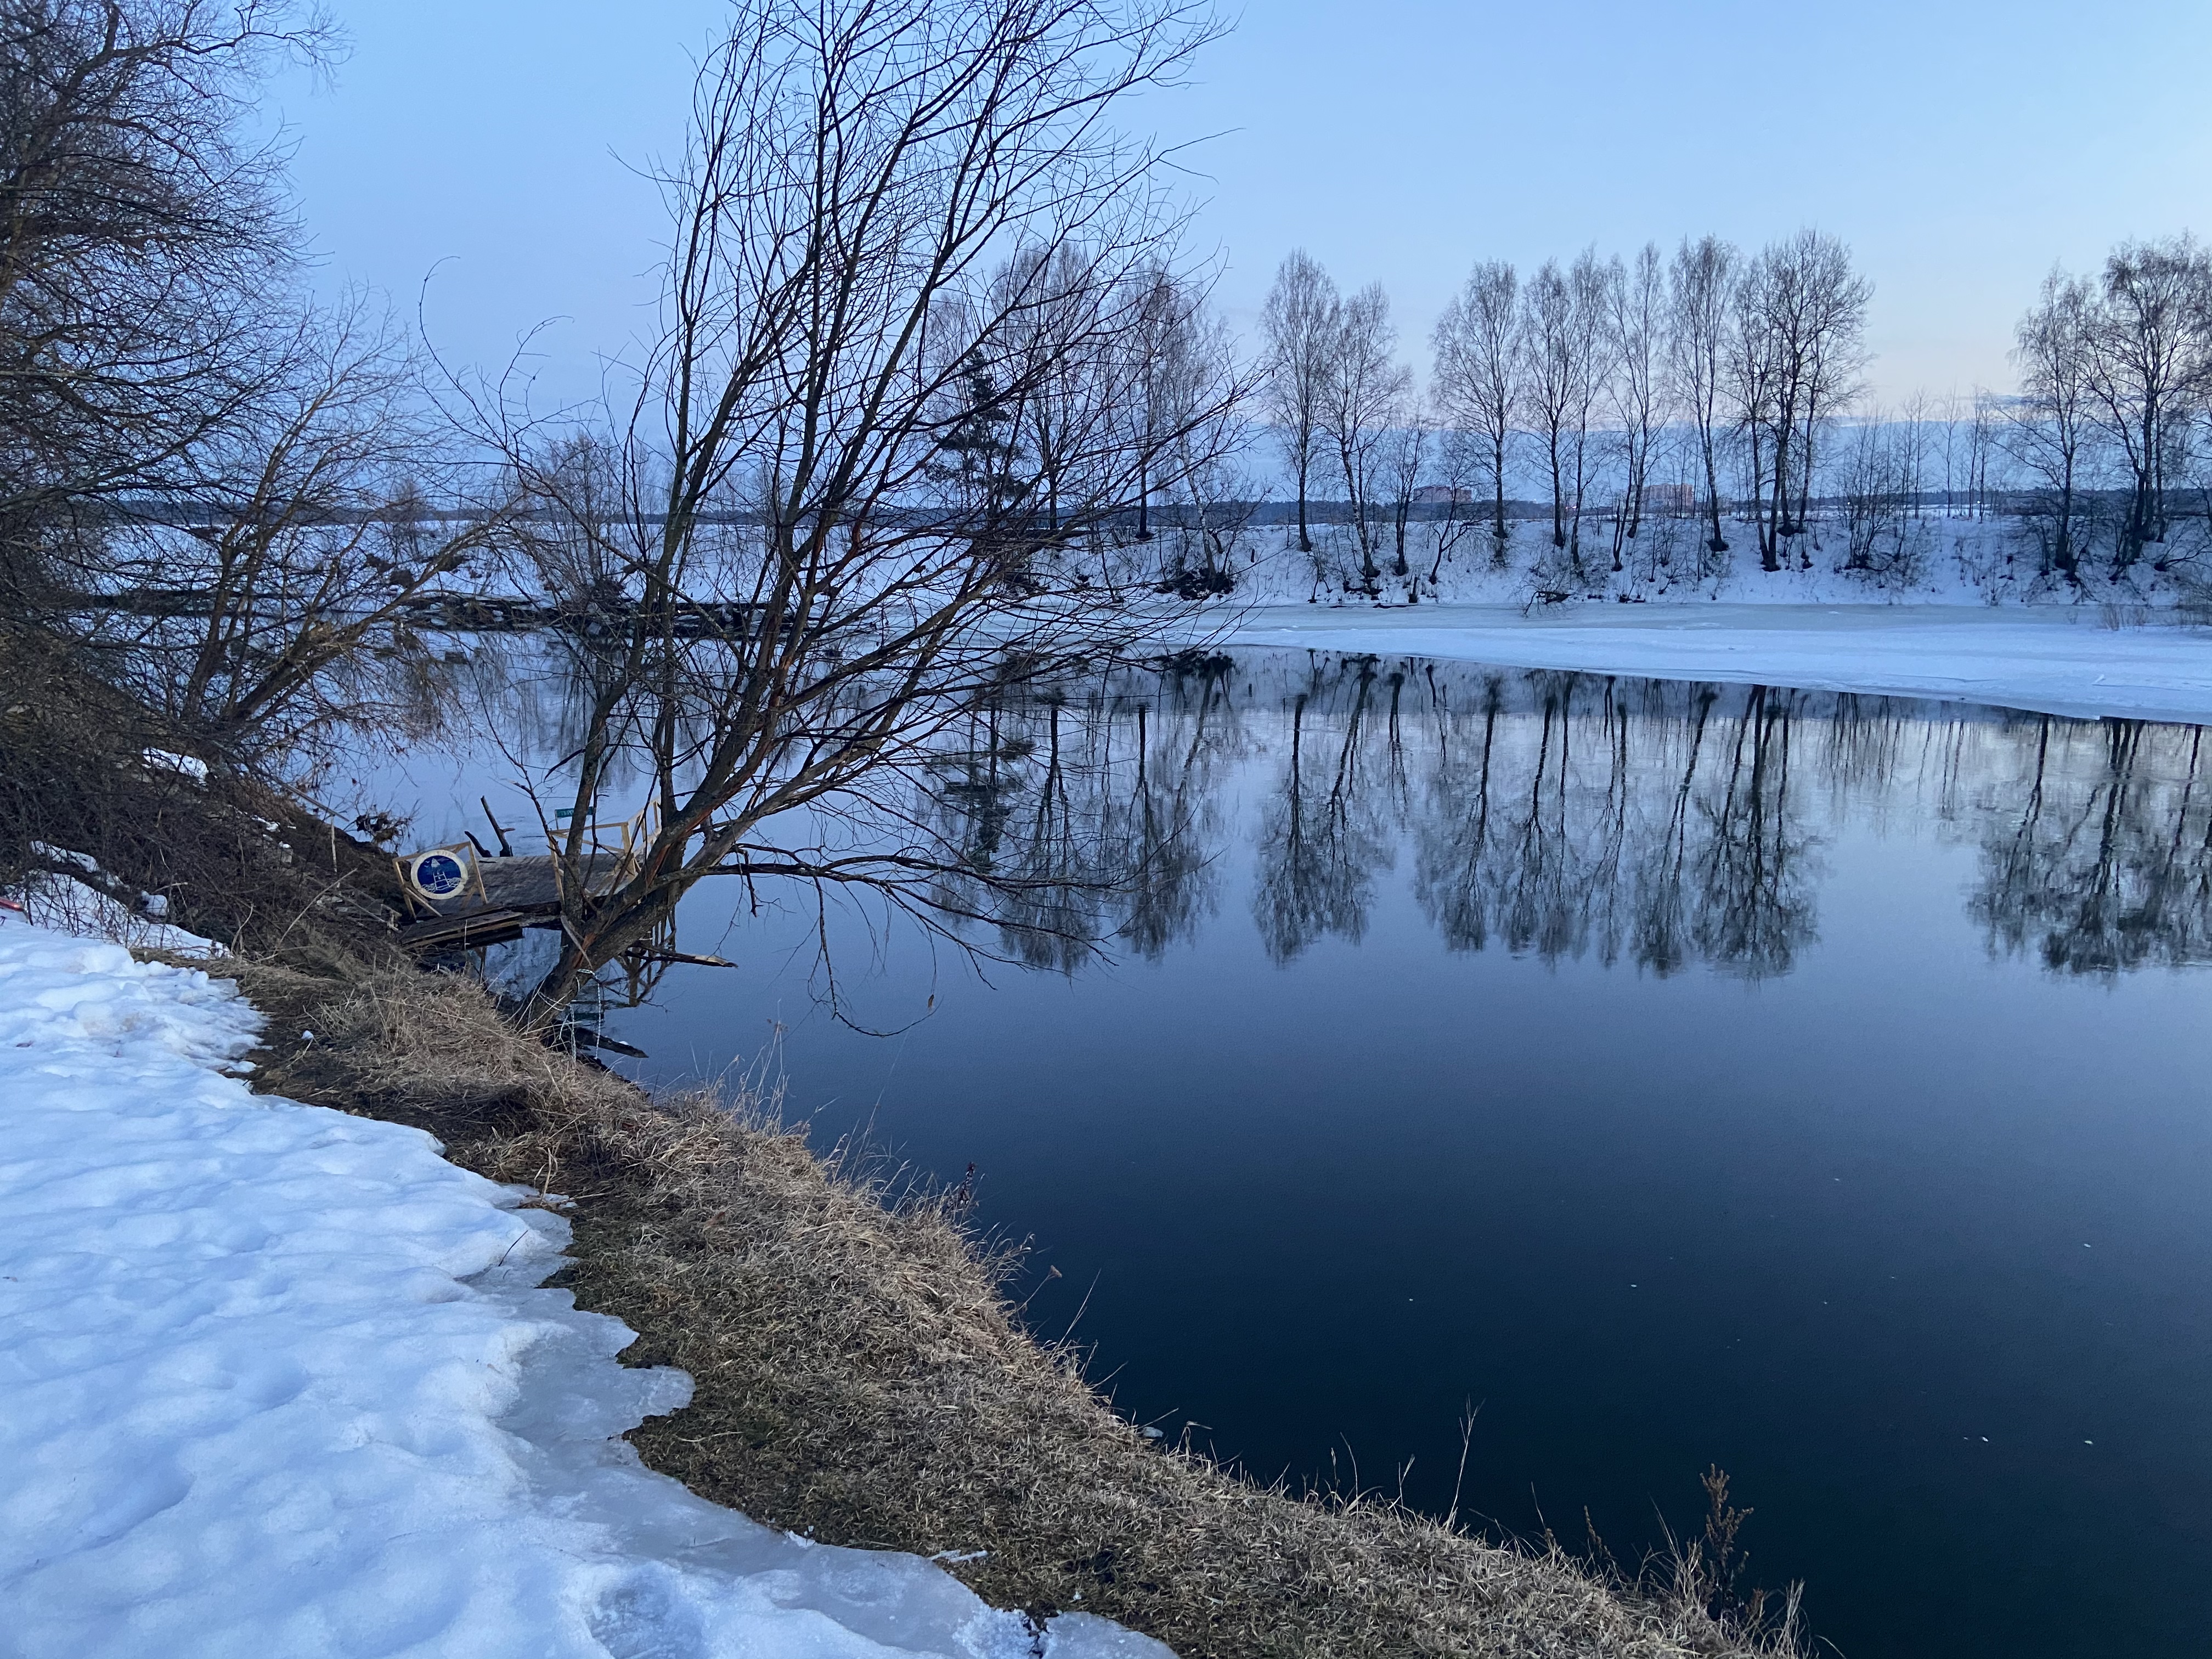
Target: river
x,y
1667,1074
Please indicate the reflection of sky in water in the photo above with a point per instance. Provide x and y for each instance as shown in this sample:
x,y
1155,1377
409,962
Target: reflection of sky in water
x,y
1801,1083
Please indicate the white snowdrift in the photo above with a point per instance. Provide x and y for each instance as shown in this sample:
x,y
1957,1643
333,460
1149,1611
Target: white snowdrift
x,y
70,906
2056,661
274,1381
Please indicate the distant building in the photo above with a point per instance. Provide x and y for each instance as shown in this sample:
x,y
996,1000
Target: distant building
x,y
1673,497
1439,495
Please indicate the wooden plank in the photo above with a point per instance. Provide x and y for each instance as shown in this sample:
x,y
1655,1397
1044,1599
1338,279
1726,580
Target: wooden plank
x,y
477,927
527,885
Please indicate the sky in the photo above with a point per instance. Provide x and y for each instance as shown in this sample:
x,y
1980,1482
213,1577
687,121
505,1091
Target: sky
x,y
480,158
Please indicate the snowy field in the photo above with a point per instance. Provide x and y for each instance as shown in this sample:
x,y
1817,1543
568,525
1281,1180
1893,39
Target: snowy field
x,y
277,1381
2055,660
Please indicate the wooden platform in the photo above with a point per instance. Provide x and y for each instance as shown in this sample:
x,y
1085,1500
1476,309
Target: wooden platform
x,y
518,893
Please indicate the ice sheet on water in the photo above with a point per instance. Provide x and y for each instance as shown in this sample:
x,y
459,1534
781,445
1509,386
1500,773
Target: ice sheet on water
x,y
274,1379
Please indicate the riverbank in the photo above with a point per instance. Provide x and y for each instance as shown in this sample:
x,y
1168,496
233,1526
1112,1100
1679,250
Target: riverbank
x,y
2066,661
858,1374
280,1379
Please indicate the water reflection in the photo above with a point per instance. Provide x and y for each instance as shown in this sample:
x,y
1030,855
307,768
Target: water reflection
x,y
2099,859
1557,814
1321,1190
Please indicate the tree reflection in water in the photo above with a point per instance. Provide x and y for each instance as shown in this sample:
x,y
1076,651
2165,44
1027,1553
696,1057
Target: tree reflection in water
x,y
1559,815
2099,858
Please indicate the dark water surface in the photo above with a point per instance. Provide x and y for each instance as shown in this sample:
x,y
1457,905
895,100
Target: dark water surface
x,y
1817,1087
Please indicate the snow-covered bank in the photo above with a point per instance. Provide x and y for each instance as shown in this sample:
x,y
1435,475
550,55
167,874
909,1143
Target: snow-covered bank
x,y
2058,661
274,1379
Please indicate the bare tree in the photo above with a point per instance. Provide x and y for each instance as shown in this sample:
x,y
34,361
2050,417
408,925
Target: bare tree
x,y
1199,400
1701,281
1801,319
1833,336
1753,369
1366,391
1477,379
1981,441
1947,421
252,627
1053,299
834,536
143,230
2054,348
1301,328
1406,452
1911,444
1639,328
2153,358
1463,462
1164,370
1593,283
1553,375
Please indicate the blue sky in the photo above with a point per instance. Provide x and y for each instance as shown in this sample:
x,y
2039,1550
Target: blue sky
x,y
1959,148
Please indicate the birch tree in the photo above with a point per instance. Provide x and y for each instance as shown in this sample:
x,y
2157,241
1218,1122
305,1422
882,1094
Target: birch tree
x,y
1752,371
1592,284
1367,391
1477,378
1639,330
2151,366
1700,284
2054,348
1833,343
1551,380
1300,326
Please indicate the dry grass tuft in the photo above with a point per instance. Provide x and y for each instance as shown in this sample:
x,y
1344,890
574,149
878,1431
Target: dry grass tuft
x,y
861,1376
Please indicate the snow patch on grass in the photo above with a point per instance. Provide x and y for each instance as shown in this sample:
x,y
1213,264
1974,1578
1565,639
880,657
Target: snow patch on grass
x,y
276,1379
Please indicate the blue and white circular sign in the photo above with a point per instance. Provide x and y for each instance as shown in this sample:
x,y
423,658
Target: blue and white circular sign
x,y
440,874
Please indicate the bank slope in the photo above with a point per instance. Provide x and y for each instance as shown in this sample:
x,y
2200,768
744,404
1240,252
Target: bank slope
x,y
276,1379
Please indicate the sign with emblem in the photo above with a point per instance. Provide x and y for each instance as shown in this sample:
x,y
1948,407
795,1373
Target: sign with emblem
x,y
440,873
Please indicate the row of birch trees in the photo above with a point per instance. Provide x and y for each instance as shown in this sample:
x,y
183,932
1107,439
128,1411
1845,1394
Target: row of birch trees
x,y
1577,372
1714,381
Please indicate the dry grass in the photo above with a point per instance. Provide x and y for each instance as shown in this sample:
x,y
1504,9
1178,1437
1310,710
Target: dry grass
x,y
861,1376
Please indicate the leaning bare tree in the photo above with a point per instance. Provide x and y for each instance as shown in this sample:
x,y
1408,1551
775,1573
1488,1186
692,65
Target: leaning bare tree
x,y
835,529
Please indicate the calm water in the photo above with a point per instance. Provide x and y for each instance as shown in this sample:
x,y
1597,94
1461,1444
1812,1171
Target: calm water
x,y
1817,1086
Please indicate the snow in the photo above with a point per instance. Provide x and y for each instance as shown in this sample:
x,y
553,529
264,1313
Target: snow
x,y
190,766
276,1380
2057,660
70,906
